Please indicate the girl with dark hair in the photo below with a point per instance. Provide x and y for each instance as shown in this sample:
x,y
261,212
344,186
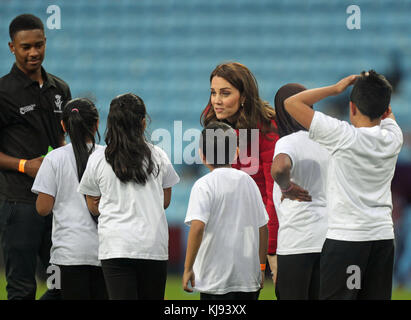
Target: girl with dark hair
x,y
74,232
298,163
128,185
286,124
235,99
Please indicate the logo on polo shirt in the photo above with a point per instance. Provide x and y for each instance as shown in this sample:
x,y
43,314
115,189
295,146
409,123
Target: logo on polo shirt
x,y
58,103
28,108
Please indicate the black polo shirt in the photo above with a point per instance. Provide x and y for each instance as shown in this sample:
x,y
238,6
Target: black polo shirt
x,y
29,123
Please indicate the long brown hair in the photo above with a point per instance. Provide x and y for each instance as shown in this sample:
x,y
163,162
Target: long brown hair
x,y
254,113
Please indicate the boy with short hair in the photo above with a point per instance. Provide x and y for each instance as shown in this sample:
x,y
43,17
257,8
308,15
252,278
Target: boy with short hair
x,y
31,101
358,254
228,238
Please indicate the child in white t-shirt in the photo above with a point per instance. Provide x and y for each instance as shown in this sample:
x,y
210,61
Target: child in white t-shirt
x,y
74,233
228,238
358,254
128,185
298,163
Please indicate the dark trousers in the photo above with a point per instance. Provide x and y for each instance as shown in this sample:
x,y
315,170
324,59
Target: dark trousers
x,y
135,279
298,276
230,296
25,235
351,270
82,283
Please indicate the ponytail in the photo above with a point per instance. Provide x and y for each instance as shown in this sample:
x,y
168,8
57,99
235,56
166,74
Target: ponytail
x,y
80,118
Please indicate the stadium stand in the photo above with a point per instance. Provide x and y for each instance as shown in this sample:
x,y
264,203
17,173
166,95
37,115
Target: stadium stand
x,y
165,50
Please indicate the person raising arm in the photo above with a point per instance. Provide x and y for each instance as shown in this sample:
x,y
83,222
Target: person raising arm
x,y
363,156
298,106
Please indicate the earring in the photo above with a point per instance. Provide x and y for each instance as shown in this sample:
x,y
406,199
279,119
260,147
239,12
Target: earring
x,y
242,104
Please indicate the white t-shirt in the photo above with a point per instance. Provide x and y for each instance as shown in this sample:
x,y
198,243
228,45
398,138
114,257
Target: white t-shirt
x,y
302,225
229,202
361,168
74,232
132,222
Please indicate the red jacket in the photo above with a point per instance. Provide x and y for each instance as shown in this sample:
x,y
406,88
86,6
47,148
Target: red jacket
x,y
265,182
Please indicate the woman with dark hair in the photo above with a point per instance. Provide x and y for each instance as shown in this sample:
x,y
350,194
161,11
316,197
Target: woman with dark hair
x,y
128,185
74,233
235,99
299,164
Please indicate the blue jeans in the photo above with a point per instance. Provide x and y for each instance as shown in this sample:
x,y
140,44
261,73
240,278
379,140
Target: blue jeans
x,y
25,235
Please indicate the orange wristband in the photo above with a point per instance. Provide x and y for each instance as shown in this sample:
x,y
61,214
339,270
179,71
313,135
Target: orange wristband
x,y
262,267
21,165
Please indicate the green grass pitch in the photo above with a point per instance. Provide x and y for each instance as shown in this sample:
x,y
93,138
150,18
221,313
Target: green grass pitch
x,y
174,290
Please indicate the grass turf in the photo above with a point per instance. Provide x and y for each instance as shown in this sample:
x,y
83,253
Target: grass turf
x,y
174,290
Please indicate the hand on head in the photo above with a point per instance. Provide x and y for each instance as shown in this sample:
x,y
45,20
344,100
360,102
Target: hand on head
x,y
344,83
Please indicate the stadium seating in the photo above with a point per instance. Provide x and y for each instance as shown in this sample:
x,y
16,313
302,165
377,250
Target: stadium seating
x,y
165,50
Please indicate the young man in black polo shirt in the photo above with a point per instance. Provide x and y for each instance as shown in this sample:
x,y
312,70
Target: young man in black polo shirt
x,y
31,102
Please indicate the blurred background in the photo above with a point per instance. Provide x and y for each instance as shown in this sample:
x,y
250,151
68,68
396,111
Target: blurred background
x,y
165,50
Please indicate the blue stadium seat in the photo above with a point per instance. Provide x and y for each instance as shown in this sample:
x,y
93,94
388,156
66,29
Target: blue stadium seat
x,y
164,51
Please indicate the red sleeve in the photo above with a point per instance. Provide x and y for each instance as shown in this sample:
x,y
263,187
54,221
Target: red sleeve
x,y
265,182
267,144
